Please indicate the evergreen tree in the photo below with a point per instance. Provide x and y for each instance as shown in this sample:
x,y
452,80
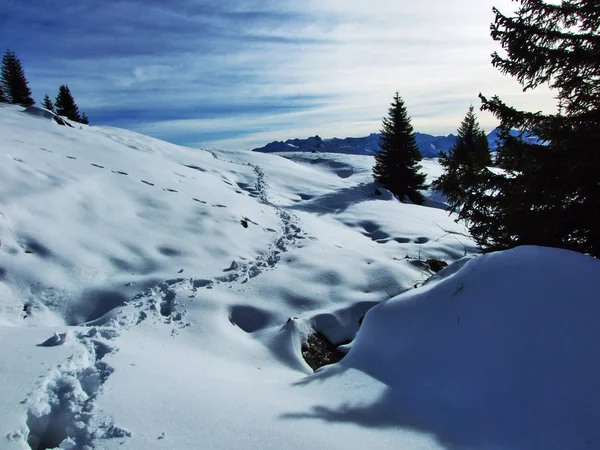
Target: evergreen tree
x,y
65,104
47,103
84,119
14,83
397,162
3,98
550,194
464,165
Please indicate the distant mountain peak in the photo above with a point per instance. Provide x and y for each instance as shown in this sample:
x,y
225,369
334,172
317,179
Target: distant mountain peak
x,y
430,146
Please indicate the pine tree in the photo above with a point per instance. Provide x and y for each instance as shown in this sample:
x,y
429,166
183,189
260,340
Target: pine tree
x,y
550,194
65,104
464,165
47,103
14,83
3,98
397,162
84,119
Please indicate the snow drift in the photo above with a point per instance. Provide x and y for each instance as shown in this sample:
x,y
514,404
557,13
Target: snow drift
x,y
501,354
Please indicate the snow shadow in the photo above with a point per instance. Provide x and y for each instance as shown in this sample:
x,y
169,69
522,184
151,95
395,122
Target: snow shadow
x,y
489,422
385,412
94,304
249,318
339,168
337,201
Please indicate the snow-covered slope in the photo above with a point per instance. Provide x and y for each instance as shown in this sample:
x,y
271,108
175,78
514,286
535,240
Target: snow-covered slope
x,y
154,296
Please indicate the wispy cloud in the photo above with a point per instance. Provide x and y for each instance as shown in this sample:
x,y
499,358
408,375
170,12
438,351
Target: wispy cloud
x,y
241,72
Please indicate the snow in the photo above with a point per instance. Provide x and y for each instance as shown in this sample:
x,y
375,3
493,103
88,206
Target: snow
x,y
156,296
512,361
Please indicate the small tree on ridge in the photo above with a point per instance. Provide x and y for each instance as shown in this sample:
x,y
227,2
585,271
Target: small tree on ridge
x,y
47,103
397,162
65,104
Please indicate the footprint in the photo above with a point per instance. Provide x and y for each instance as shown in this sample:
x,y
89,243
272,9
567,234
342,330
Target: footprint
x,y
219,206
421,240
70,157
147,182
46,150
97,165
191,166
249,318
199,201
120,173
170,190
369,226
18,160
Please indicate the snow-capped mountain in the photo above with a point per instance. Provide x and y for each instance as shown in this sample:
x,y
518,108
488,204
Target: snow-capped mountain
x,y
430,146
527,137
158,297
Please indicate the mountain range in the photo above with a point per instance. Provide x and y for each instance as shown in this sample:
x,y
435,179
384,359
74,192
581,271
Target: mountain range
x,y
429,145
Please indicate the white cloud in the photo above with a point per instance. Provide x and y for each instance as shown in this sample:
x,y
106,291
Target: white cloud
x,y
336,63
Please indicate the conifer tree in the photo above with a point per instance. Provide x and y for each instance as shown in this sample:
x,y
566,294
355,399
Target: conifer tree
x,y
84,119
464,165
397,162
551,193
47,103
3,98
14,83
65,104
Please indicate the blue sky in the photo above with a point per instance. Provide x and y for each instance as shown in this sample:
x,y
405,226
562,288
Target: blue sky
x,y
241,73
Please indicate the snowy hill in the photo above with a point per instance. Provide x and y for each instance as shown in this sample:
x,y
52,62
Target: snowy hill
x,y
430,146
154,296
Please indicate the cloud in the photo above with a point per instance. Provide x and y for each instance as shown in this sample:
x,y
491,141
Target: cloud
x,y
241,72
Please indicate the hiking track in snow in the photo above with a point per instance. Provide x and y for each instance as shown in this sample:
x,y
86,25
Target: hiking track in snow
x,y
62,408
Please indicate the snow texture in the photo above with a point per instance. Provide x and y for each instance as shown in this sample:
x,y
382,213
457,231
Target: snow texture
x,y
155,296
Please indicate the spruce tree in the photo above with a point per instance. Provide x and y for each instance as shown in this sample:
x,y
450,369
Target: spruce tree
x,y
47,103
3,98
397,162
464,166
84,119
14,83
550,194
65,104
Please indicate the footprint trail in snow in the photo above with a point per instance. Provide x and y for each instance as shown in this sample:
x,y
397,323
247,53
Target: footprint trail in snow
x,y
62,408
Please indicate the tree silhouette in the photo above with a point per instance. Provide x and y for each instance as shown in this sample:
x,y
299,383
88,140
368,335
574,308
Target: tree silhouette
x,y
65,104
397,162
464,165
550,192
14,84
47,103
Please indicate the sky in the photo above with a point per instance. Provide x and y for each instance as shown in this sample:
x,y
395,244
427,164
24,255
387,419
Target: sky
x,y
241,73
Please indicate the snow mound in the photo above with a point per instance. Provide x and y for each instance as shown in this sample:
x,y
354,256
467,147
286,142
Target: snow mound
x,y
39,112
501,354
